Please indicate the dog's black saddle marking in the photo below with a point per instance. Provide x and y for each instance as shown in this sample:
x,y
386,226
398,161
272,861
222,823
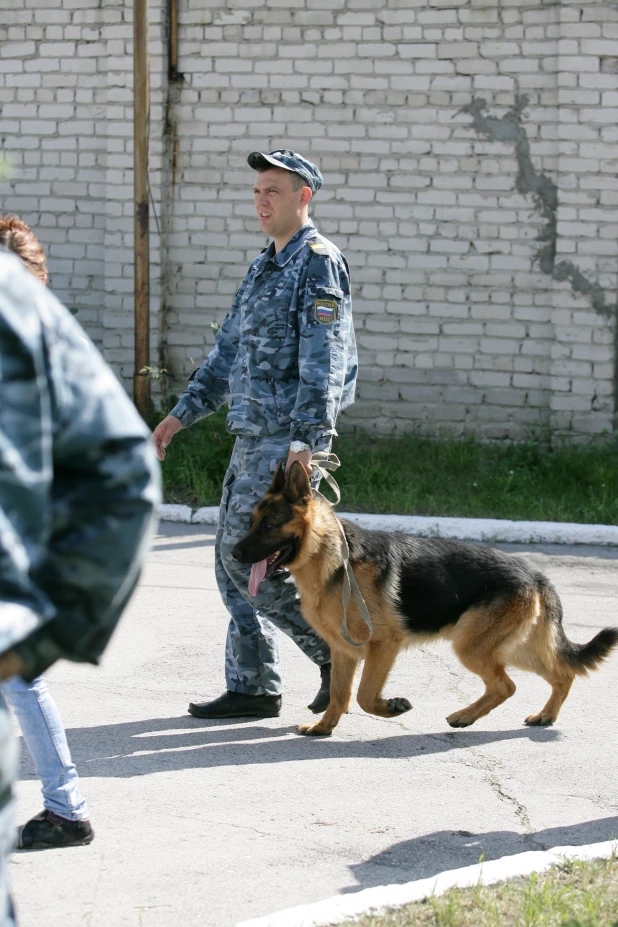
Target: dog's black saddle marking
x,y
438,580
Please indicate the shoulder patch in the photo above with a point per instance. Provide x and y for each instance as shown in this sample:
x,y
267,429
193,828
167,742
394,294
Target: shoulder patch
x,y
318,246
325,311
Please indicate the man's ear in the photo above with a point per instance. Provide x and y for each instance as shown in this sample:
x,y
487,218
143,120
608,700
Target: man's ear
x,y
297,485
306,195
278,480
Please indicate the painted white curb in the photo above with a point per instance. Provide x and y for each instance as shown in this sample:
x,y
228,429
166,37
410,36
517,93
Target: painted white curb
x,y
209,515
490,529
493,530
169,512
341,908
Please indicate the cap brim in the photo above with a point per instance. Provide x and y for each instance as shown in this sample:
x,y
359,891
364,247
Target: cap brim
x,y
261,162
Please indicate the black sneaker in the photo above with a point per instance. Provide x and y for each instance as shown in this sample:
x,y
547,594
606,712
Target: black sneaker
x,y
238,705
47,830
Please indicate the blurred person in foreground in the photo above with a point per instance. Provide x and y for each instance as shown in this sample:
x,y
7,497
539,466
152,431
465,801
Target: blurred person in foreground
x,y
64,819
78,487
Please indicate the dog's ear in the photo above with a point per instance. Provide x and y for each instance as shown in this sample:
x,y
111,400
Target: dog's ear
x,y
297,485
278,480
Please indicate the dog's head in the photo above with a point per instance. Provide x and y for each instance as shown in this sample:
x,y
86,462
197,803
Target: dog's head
x,y
277,526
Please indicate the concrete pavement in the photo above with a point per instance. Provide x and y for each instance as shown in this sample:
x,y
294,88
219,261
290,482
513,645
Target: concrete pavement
x,y
214,823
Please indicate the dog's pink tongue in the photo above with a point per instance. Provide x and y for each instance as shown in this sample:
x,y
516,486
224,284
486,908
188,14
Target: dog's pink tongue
x,y
258,572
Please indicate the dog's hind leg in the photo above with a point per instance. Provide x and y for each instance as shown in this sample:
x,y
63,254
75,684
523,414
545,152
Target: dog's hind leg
x,y
483,639
560,688
341,681
543,652
498,687
378,664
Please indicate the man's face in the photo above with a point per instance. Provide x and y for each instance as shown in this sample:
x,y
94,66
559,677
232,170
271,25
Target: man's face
x,y
278,205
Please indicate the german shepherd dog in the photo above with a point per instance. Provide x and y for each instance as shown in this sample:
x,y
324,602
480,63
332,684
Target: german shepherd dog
x,y
496,610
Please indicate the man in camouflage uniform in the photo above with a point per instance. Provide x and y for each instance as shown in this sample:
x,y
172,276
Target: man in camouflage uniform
x,y
78,487
285,362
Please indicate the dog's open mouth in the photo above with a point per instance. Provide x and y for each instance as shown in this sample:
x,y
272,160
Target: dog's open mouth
x,y
265,568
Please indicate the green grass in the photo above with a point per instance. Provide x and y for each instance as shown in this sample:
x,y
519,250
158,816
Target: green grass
x,y
196,461
467,478
418,476
576,894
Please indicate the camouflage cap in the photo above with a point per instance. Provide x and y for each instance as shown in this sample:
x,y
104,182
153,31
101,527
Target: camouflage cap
x,y
289,161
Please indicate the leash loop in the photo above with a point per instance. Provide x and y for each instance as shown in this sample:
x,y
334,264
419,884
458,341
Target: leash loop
x,y
324,463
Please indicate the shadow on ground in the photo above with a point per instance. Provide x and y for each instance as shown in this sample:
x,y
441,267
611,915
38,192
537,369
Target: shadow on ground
x,y
164,744
423,857
142,748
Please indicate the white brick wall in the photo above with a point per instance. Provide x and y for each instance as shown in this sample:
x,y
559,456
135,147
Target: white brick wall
x,y
66,77
440,210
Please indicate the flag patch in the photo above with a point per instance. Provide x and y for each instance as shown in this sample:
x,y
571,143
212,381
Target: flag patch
x,y
325,311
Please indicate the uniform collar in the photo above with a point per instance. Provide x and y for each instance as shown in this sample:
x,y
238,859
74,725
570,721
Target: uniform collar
x,y
296,242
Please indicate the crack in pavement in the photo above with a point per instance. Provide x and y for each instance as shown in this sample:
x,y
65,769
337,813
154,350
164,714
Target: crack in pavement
x,y
451,671
489,765
315,846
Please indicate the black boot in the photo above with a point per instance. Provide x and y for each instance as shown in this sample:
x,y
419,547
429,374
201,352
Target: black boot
x,y
238,705
322,699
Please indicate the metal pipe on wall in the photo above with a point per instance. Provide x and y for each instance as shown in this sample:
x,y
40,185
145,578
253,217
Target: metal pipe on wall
x,y
141,119
172,40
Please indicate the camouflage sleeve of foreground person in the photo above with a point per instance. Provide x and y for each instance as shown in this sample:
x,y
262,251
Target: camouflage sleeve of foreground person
x,y
79,483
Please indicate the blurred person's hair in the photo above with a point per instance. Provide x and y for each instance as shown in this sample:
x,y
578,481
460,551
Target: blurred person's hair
x,y
19,238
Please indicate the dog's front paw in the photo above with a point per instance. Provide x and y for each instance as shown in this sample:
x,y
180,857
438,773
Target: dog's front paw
x,y
398,706
540,720
460,719
314,730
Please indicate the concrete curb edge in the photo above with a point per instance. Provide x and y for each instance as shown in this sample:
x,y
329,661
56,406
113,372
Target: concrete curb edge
x,y
493,530
375,900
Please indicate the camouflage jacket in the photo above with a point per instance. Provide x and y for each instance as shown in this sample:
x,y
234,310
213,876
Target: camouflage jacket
x,y
78,482
285,357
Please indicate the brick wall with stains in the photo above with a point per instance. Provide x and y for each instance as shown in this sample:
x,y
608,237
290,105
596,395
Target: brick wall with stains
x,y
469,155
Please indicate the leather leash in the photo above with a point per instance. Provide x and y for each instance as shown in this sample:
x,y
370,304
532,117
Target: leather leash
x,y
324,463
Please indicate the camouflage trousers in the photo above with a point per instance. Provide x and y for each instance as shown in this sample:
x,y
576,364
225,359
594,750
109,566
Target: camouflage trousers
x,y
252,652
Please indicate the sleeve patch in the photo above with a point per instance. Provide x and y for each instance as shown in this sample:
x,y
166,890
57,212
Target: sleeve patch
x,y
325,311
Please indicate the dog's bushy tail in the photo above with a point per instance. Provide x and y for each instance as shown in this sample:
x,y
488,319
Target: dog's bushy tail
x,y
581,658
585,657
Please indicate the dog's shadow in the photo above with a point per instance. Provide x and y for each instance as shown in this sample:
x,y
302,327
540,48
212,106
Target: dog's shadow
x,y
140,748
426,856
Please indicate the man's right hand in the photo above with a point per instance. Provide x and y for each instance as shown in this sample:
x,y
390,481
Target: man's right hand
x,y
10,664
164,432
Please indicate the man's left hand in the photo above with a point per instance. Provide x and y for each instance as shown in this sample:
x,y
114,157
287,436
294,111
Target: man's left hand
x,y
304,457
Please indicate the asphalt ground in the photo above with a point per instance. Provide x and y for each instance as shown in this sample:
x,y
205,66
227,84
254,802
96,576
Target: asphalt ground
x,y
214,823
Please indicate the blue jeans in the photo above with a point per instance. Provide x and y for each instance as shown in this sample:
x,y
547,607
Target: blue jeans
x,y
44,736
8,770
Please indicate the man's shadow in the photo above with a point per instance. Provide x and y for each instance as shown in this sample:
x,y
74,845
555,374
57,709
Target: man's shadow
x,y
423,857
140,748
